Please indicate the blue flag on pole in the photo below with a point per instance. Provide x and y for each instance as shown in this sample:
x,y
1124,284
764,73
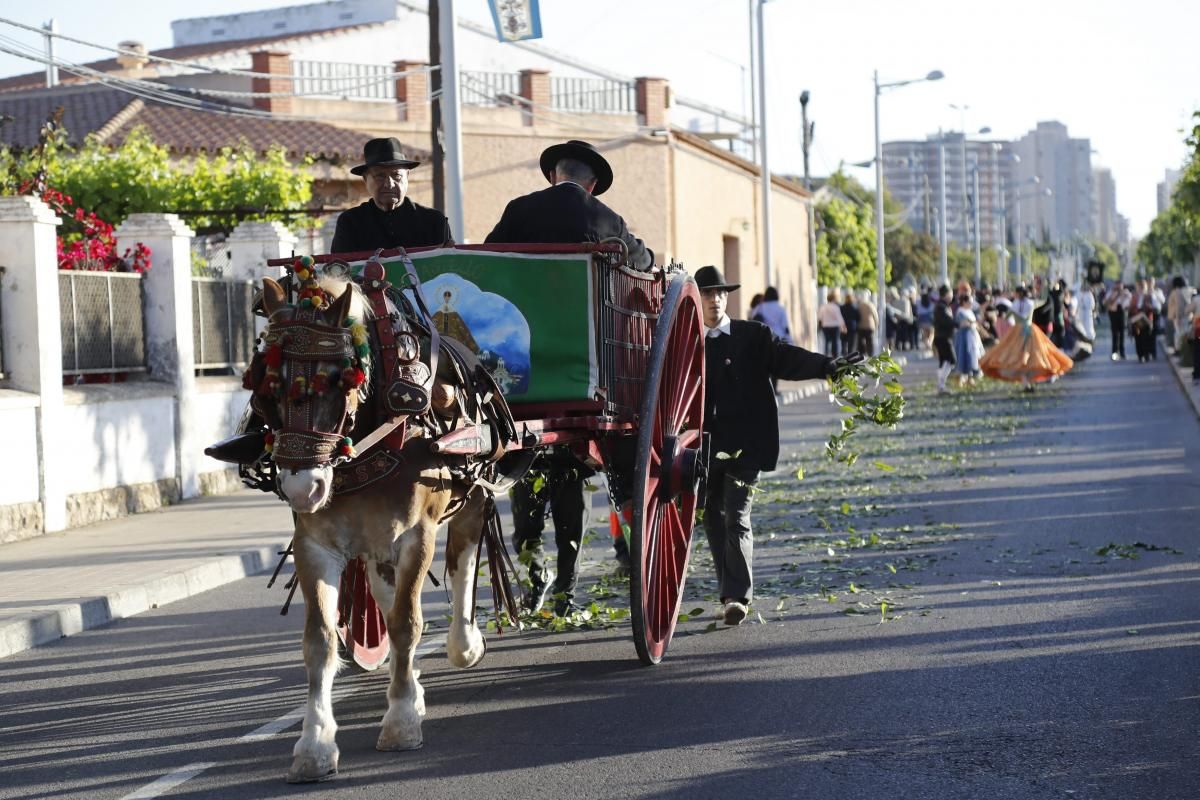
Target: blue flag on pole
x,y
516,19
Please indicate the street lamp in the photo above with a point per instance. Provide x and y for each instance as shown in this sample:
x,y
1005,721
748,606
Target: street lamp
x,y
880,301
1020,235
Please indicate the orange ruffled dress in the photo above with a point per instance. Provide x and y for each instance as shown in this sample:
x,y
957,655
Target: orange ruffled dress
x,y
1024,354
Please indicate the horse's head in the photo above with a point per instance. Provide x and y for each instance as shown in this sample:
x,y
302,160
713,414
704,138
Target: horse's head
x,y
312,377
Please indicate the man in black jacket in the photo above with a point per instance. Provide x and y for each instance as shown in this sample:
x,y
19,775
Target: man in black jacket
x,y
742,417
568,212
390,218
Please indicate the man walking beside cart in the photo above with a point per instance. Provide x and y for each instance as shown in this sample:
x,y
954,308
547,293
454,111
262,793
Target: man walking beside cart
x,y
741,415
567,212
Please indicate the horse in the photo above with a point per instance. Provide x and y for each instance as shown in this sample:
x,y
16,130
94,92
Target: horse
x,y
313,387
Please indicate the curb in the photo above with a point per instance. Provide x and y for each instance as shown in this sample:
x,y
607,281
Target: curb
x,y
50,624
1185,383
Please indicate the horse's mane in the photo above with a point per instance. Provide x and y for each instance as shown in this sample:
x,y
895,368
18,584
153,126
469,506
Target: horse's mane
x,y
360,310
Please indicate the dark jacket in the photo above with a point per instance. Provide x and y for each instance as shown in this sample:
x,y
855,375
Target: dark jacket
x,y
369,227
740,409
565,214
850,315
943,321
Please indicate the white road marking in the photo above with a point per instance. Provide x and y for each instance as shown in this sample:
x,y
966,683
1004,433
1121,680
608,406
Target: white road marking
x,y
171,780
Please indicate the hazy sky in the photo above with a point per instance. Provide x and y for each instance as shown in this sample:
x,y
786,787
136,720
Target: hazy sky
x,y
1122,74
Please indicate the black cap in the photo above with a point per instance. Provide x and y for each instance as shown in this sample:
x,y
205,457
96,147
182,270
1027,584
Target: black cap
x,y
711,278
580,151
384,153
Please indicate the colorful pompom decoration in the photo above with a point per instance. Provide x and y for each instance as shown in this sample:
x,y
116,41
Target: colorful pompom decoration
x,y
320,382
274,356
269,442
298,389
352,378
346,448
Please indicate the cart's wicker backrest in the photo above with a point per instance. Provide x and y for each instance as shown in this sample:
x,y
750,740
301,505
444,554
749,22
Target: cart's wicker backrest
x,y
629,305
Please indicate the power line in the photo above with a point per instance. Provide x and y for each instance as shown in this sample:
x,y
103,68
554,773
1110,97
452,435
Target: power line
x,y
157,92
187,64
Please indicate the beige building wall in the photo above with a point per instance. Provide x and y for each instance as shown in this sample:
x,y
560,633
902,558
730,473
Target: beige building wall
x,y
718,222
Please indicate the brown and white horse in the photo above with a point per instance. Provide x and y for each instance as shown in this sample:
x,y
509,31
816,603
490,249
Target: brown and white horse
x,y
311,391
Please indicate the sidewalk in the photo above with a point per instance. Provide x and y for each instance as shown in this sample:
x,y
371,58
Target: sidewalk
x,y
62,583
1190,390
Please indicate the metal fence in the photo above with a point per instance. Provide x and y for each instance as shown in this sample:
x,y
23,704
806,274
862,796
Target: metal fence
x,y
342,80
210,255
103,326
598,95
488,88
222,322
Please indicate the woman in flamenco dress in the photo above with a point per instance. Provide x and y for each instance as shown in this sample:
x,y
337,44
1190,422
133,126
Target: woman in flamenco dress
x,y
1025,355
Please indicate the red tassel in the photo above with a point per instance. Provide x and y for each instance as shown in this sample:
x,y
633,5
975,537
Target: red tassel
x,y
274,356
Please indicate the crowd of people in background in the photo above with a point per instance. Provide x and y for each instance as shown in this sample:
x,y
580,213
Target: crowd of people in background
x,y
960,325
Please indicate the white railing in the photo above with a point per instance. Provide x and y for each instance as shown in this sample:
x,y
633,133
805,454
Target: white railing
x,y
597,95
344,80
488,88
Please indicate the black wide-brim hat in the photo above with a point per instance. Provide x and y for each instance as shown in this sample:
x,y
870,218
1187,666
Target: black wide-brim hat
x,y
580,151
384,153
711,278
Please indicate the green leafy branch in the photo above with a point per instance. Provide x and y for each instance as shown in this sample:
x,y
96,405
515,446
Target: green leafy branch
x,y
868,393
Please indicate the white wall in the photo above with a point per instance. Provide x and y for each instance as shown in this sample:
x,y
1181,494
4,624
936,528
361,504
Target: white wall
x,y
19,467
120,434
216,413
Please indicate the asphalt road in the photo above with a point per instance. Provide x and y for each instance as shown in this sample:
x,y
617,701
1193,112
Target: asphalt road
x,y
998,601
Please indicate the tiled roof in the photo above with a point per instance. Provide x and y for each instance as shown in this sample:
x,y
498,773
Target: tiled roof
x,y
83,112
183,131
35,80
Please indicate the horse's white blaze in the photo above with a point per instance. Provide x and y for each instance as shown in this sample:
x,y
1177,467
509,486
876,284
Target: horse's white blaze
x,y
307,490
464,642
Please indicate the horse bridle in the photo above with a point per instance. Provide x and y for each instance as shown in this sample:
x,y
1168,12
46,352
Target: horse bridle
x,y
304,346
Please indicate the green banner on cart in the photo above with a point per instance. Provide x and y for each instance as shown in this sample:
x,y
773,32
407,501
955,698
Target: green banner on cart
x,y
527,317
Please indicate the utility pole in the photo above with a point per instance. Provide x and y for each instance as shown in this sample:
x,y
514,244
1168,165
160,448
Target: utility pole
x,y
806,144
975,206
50,28
448,30
764,161
944,266
437,152
753,86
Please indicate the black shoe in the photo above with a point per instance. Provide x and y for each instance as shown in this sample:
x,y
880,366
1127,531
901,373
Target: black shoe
x,y
535,597
623,565
564,607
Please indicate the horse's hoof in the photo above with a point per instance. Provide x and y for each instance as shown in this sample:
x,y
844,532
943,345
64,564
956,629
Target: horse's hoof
x,y
463,659
310,770
392,744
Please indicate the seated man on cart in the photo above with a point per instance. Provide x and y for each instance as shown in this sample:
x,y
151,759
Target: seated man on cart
x,y
389,218
565,213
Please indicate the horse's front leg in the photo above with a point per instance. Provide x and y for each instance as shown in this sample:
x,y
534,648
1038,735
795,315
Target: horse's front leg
x,y
319,570
401,728
465,644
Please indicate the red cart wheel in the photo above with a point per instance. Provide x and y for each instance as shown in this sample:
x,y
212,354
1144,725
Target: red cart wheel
x,y
670,465
361,627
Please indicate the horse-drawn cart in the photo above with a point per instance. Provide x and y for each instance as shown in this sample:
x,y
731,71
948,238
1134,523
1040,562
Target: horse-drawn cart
x,y
589,354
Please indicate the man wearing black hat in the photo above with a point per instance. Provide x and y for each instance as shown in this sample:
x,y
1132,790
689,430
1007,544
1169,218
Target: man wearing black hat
x,y
568,212
390,218
741,416
565,213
